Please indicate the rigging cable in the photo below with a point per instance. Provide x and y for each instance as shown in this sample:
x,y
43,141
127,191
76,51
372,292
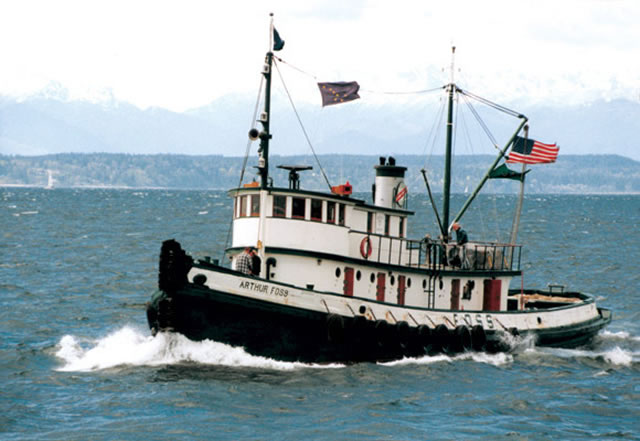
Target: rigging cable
x,y
495,145
481,122
304,131
244,165
414,92
465,127
433,132
491,104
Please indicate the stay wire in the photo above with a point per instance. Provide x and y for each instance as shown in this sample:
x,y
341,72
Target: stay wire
x,y
481,122
433,133
244,165
304,131
414,92
491,104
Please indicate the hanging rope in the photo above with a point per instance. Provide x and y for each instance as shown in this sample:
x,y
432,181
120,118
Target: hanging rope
x,y
304,131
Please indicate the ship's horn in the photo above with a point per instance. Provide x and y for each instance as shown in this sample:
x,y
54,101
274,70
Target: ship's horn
x,y
254,134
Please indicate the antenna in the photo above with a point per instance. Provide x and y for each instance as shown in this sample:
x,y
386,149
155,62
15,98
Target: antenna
x,y
453,56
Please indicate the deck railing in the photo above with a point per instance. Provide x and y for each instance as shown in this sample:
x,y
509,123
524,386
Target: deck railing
x,y
438,255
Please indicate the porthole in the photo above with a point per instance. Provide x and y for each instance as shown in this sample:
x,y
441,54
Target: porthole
x,y
424,284
337,272
358,275
441,284
200,279
362,309
539,320
392,280
409,282
372,278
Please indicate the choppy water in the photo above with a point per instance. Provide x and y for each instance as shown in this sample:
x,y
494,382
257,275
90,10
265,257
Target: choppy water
x,y
77,361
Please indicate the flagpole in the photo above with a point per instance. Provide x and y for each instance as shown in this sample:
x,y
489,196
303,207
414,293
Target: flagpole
x,y
271,31
516,217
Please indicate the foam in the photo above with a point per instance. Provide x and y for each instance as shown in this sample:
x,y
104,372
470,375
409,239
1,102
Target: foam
x,y
131,347
499,359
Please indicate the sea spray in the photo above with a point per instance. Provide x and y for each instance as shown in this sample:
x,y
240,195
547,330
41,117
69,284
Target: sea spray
x,y
131,347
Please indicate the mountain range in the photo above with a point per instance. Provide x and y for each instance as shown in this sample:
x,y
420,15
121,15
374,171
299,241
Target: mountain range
x,y
46,124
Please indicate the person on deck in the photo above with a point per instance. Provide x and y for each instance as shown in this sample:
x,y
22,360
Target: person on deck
x,y
458,256
461,235
244,261
256,262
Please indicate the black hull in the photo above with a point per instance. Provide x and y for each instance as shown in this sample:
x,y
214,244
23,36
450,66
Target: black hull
x,y
293,334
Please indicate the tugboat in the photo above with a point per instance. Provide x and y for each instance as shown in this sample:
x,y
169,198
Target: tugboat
x,y
336,279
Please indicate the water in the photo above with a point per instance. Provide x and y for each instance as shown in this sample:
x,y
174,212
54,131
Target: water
x,y
77,361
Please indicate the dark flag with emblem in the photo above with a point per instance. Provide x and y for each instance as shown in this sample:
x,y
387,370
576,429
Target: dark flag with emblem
x,y
529,151
504,172
340,92
278,43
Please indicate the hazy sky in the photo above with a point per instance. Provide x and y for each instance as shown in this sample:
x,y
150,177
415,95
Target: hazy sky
x,y
184,54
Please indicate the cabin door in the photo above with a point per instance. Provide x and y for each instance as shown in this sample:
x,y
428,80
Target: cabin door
x,y
347,287
380,287
455,294
491,295
401,289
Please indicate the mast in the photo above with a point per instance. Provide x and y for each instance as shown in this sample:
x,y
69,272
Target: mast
x,y
447,161
265,135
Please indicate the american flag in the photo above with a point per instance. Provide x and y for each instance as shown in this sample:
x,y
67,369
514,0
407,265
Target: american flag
x,y
529,151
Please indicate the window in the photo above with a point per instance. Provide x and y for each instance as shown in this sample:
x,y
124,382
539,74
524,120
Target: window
x,y
401,227
235,207
340,214
369,222
387,220
316,210
331,212
244,201
279,206
255,205
298,208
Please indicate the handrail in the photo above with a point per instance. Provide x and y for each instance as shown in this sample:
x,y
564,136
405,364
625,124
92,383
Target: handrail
x,y
438,255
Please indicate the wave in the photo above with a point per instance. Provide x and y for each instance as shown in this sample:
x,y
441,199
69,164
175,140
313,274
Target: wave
x,y
498,359
610,349
131,347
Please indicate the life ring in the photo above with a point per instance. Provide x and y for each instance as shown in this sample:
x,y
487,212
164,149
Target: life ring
x,y
365,247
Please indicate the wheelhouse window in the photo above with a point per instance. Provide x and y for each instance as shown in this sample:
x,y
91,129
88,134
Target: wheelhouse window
x,y
279,206
255,205
244,202
341,214
369,222
298,208
331,212
316,210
